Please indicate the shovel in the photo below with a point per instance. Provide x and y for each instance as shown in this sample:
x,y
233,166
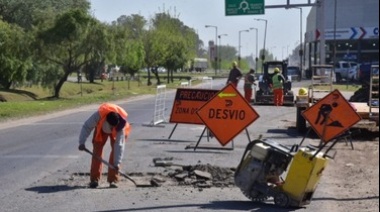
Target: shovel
x,y
111,166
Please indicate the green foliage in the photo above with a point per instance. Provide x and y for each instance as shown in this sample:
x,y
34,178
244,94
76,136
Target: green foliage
x,y
14,57
26,12
130,54
66,43
60,38
101,50
175,42
28,101
67,28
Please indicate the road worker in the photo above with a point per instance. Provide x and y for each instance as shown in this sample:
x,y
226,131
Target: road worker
x,y
235,75
278,81
110,121
249,82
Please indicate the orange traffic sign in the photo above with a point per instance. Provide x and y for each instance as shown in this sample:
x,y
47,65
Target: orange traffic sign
x,y
331,116
187,101
227,114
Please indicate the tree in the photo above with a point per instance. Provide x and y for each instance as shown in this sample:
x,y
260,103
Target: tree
x,y
64,43
14,55
154,50
101,50
177,42
24,13
130,54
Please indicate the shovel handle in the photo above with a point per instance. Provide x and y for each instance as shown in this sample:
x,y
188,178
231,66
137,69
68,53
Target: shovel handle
x,y
109,165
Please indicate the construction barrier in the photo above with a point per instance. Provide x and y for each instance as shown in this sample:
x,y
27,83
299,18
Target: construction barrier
x,y
159,106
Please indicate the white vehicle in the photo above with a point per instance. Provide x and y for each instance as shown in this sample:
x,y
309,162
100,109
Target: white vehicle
x,y
200,64
343,70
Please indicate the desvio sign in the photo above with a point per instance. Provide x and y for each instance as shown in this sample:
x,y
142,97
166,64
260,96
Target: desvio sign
x,y
227,114
187,102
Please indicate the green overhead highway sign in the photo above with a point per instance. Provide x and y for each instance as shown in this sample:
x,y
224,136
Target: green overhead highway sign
x,y
244,7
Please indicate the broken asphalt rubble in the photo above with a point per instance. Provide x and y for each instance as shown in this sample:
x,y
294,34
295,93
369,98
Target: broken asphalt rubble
x,y
200,175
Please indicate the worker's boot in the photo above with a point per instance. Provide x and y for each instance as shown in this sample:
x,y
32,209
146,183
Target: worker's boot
x,y
113,185
94,184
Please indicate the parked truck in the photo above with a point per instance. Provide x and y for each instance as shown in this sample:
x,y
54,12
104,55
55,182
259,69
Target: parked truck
x,y
344,70
200,64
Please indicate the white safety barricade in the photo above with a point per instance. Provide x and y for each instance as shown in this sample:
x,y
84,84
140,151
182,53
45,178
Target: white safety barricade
x,y
159,106
184,84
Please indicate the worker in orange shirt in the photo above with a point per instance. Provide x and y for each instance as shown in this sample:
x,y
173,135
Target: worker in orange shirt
x,y
110,121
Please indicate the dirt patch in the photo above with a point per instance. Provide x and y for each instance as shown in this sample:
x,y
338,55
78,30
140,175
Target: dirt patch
x,y
352,178
198,176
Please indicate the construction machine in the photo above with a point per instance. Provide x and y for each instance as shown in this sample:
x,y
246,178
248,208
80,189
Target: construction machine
x,y
264,94
269,169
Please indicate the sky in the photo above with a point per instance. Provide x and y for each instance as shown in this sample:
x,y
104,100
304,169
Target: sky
x,y
283,25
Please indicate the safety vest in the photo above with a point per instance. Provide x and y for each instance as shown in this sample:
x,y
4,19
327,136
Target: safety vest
x,y
103,110
277,83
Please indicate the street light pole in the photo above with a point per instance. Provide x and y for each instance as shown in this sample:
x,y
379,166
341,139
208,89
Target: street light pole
x,y
257,54
239,57
220,52
300,51
265,36
216,46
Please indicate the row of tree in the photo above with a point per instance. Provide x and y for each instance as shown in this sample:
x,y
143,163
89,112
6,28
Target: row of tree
x,y
45,41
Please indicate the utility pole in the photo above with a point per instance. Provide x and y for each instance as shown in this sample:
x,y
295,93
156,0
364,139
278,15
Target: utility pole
x,y
265,36
219,51
239,57
216,46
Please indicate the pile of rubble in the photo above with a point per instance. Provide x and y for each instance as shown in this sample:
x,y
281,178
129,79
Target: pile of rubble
x,y
200,175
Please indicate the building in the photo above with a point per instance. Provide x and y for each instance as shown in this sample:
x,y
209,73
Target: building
x,y
351,26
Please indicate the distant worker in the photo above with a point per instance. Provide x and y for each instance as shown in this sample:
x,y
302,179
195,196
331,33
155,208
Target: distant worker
x,y
249,82
278,87
110,121
235,75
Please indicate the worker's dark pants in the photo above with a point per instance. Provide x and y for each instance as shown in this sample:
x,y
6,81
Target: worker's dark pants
x,y
235,84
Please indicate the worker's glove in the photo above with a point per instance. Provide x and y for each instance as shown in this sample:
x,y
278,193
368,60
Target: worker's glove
x,y
82,147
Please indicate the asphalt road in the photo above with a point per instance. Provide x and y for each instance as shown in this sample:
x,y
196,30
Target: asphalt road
x,y
42,170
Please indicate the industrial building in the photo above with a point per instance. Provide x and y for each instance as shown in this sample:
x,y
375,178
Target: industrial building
x,y
349,26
